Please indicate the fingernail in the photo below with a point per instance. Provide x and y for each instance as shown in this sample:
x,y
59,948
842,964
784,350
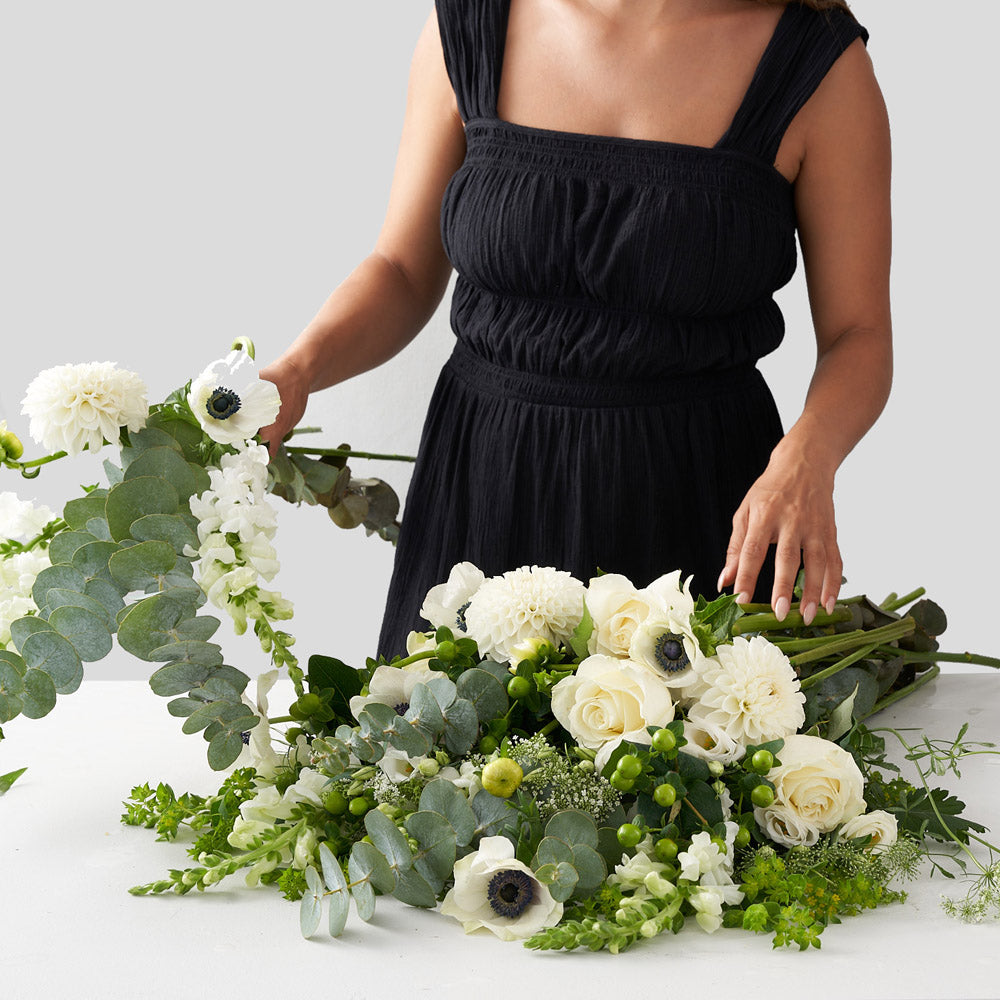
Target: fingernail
x,y
809,612
781,608
831,603
742,597
718,585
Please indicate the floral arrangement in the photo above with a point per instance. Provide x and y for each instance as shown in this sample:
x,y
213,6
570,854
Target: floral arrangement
x,y
563,763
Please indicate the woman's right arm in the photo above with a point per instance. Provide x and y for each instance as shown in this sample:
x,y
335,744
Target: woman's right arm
x,y
389,297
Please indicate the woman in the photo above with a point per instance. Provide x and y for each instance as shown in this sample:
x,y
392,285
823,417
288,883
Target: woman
x,y
619,185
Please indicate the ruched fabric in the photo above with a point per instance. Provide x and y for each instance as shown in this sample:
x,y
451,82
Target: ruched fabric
x,y
601,408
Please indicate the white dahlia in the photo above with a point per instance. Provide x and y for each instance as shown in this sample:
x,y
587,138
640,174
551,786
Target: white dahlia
x,y
230,402
73,406
446,603
533,601
751,693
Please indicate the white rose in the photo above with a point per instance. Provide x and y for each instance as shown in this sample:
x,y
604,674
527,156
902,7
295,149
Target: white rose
x,y
496,891
618,608
881,826
609,700
817,787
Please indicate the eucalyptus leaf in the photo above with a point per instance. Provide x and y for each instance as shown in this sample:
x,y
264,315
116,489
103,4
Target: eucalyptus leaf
x,y
590,868
11,689
492,813
485,692
137,567
62,547
553,851
134,498
424,710
414,890
226,745
441,796
169,528
150,624
408,738
387,839
92,560
311,907
168,464
435,858
87,632
842,717
23,628
340,897
13,661
561,879
98,527
107,594
574,827
113,472
63,576
461,726
59,598
78,512
39,697
444,690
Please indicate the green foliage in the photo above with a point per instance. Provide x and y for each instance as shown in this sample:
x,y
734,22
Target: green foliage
x,y
7,780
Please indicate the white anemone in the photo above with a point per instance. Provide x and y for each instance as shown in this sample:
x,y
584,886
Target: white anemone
x,y
446,603
389,686
230,402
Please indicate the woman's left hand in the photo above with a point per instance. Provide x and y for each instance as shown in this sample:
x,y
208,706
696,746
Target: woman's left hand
x,y
791,506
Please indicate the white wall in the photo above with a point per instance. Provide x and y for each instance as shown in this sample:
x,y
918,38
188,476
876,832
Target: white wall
x,y
177,174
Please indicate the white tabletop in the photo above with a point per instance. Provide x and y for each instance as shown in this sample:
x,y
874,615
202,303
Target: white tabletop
x,y
69,928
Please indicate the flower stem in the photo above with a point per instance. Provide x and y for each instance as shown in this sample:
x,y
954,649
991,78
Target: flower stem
x,y
425,655
860,637
769,623
911,656
350,453
898,602
821,675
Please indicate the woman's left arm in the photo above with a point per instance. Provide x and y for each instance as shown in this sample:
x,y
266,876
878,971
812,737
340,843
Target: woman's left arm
x,y
843,203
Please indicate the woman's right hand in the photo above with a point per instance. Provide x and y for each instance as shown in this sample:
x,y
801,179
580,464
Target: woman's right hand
x,y
293,387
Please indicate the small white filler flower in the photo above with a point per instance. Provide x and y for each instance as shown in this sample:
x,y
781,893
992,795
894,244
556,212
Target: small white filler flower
x,y
230,402
77,406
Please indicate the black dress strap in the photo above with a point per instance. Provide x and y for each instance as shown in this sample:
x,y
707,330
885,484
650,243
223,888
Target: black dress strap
x,y
471,40
806,44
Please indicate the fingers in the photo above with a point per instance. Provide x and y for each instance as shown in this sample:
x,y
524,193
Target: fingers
x,y
833,577
728,574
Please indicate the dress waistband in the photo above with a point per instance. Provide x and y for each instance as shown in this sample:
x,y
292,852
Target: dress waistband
x,y
561,390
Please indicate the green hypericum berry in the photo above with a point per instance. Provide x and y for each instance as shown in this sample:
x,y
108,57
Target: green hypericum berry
x,y
335,802
502,777
665,795
359,806
720,843
446,651
762,796
487,745
619,781
629,835
742,837
519,687
664,740
666,848
762,761
309,703
629,766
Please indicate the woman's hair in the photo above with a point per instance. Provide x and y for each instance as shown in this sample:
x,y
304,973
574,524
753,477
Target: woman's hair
x,y
815,4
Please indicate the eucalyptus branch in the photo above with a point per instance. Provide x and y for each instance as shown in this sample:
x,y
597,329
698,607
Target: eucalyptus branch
x,y
349,453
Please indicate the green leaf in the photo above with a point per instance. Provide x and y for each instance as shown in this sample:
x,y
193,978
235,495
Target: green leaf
x,y
414,890
168,464
441,796
62,547
340,897
98,527
581,634
11,689
366,869
180,676
408,738
435,858
553,851
387,839
87,632
39,696
486,694
78,512
916,815
220,712
107,594
61,576
311,906
560,878
842,717
149,437
492,813
138,567
23,628
169,528
113,472
329,672
573,826
150,624
461,726
444,690
590,869
91,560
424,710
6,780
58,598
858,681
134,498
227,744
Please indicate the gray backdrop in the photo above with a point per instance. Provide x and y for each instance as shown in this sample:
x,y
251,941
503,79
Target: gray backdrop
x,y
177,174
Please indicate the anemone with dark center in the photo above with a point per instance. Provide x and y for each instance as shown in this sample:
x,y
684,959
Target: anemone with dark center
x,y
460,616
402,708
510,892
222,403
670,654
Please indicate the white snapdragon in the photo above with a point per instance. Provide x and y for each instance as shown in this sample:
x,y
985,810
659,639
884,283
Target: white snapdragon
x,y
235,526
21,520
17,577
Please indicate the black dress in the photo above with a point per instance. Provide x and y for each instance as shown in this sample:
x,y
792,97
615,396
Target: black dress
x,y
601,407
